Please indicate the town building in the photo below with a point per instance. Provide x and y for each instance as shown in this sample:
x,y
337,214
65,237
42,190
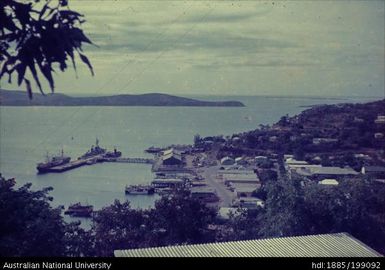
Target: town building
x,y
290,162
171,157
198,183
380,119
328,182
240,178
377,172
244,190
320,173
292,168
205,194
227,161
167,182
240,161
287,156
235,170
249,202
318,141
260,158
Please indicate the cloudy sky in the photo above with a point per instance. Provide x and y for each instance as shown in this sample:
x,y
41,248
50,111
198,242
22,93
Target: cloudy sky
x,y
316,48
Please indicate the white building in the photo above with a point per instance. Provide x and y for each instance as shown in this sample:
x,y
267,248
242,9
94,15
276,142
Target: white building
x,y
240,178
380,119
227,161
249,203
318,173
317,141
328,182
244,190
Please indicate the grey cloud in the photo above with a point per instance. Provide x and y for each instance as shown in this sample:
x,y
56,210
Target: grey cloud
x,y
137,41
255,63
230,18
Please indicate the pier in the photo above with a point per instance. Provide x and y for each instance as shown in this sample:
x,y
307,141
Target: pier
x,y
129,160
97,159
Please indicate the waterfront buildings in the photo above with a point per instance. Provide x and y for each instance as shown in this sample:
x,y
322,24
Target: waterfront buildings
x,y
171,157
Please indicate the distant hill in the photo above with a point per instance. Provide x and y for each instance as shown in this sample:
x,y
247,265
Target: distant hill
x,y
20,98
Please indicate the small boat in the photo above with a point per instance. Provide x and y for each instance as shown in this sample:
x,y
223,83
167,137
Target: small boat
x,y
79,210
139,190
154,150
164,191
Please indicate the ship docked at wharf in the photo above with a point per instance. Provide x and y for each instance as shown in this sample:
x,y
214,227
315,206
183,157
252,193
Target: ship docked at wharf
x,y
79,210
97,151
61,163
52,161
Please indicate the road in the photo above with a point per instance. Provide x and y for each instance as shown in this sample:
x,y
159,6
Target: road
x,y
225,195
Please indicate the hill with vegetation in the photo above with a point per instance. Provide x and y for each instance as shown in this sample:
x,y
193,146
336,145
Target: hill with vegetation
x,y
20,98
333,135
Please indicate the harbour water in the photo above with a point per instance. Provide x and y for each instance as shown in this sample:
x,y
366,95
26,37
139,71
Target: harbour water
x,y
28,133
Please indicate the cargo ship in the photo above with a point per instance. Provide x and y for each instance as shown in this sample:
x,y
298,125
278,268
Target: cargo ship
x,y
52,161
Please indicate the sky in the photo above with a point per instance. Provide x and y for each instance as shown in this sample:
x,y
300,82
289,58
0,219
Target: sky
x,y
278,48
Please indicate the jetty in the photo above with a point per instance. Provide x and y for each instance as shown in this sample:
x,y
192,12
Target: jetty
x,y
97,159
73,165
129,160
95,155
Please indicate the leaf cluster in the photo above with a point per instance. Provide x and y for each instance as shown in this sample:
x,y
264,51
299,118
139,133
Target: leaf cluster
x,y
36,36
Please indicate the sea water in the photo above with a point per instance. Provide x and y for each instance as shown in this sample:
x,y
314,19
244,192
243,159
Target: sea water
x,y
28,133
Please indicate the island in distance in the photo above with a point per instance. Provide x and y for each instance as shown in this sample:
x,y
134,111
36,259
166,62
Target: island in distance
x,y
20,98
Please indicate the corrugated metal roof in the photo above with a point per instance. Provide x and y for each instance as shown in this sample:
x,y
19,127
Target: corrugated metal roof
x,y
330,170
323,245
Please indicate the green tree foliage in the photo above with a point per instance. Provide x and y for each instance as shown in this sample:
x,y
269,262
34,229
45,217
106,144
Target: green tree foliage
x,y
244,226
284,209
355,206
185,220
35,35
78,241
29,226
197,139
176,219
267,175
118,227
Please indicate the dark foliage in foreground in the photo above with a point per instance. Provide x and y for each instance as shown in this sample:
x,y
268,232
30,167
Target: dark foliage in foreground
x,y
35,36
175,219
30,227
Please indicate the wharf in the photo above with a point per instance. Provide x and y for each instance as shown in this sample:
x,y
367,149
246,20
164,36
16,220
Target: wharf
x,y
96,159
74,164
128,160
